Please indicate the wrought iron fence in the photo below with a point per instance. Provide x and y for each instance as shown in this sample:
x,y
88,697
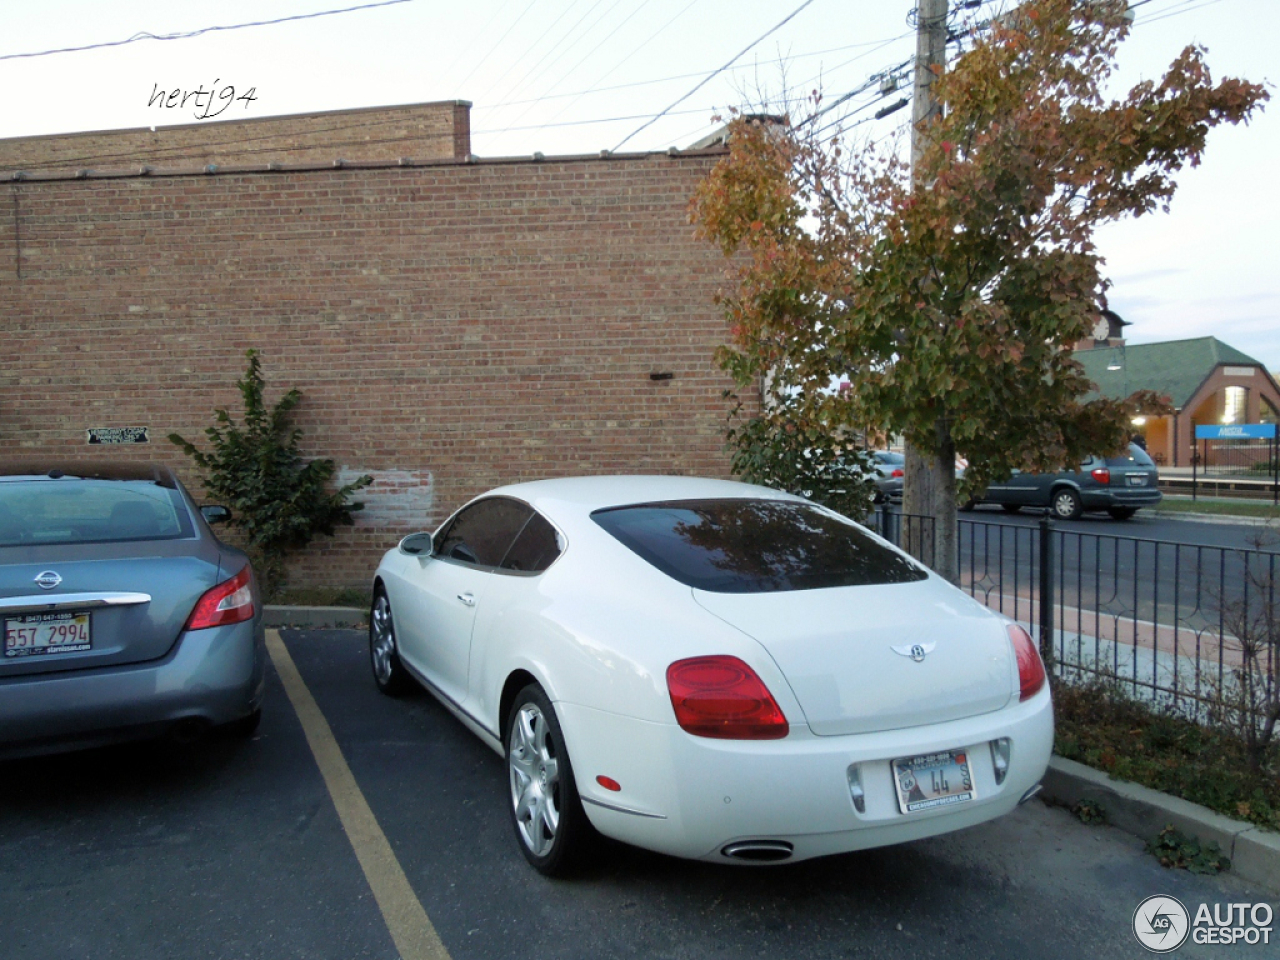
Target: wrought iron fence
x,y
1193,628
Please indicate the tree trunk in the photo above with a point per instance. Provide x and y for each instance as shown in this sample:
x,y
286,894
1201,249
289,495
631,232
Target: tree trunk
x,y
929,521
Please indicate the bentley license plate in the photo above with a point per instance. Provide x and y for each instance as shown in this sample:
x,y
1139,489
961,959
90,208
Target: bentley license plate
x,y
933,780
41,634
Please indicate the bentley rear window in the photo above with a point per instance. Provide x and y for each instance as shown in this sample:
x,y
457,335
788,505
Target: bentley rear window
x,y
755,546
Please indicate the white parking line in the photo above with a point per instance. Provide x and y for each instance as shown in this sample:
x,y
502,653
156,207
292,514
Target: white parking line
x,y
410,927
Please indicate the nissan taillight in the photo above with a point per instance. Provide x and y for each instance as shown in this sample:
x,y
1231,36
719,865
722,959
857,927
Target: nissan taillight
x,y
722,697
1031,676
229,602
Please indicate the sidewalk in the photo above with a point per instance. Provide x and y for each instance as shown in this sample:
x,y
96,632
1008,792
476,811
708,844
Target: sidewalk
x,y
1137,810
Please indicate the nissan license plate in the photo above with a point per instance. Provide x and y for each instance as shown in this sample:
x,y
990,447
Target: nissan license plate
x,y
41,634
933,780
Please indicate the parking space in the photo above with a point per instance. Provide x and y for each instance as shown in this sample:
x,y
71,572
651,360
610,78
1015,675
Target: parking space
x,y
225,849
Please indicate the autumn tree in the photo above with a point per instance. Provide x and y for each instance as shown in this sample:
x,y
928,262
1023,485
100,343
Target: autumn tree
x,y
950,310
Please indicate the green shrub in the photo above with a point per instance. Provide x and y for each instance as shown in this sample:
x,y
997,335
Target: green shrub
x,y
1175,849
279,500
1104,727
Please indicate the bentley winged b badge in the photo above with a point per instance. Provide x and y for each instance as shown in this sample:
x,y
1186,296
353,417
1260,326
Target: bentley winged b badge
x,y
916,651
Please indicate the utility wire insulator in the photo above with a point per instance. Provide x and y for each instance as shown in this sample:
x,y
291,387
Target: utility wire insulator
x,y
892,108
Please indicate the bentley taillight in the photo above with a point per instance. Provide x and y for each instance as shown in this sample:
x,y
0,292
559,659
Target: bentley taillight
x,y
722,697
1031,674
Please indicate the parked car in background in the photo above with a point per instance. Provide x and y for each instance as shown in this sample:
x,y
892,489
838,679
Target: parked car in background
x,y
123,615
890,472
710,669
1120,485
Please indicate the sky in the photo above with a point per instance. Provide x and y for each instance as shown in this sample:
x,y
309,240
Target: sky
x,y
566,77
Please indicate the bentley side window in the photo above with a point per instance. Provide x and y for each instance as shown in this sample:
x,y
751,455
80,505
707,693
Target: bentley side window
x,y
483,532
535,549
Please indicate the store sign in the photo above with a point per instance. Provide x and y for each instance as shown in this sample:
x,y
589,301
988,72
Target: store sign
x,y
118,435
1238,431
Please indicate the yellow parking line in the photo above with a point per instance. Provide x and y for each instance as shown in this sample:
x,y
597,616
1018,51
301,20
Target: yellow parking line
x,y
410,927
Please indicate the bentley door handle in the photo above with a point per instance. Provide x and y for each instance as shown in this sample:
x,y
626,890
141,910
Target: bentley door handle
x,y
467,598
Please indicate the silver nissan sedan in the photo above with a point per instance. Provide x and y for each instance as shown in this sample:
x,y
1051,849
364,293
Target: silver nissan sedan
x,y
124,616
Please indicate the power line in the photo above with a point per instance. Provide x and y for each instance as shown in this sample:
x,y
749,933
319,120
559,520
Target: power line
x,y
187,34
565,37
1158,15
511,26
716,73
542,36
593,50
878,44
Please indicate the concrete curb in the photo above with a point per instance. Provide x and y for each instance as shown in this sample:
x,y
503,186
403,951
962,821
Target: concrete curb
x,y
1138,810
1254,853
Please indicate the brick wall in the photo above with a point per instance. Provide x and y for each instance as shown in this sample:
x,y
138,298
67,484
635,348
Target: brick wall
x,y
451,327
423,131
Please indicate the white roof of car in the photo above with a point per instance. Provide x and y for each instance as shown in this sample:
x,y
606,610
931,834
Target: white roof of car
x,y
593,493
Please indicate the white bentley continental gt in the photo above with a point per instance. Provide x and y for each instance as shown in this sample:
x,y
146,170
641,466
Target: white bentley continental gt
x,y
711,670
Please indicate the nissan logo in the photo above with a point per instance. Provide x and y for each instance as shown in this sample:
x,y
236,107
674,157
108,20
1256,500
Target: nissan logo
x,y
47,580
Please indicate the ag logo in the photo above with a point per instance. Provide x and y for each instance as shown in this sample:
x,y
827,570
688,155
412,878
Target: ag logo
x,y
1161,924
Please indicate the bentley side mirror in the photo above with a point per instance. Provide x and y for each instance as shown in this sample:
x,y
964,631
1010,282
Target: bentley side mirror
x,y
417,545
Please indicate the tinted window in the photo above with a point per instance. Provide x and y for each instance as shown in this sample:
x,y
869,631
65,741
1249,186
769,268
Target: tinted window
x,y
78,510
755,546
483,532
535,549
1136,457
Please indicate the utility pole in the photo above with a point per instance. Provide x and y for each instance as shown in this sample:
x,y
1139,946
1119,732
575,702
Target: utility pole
x,y
931,53
930,482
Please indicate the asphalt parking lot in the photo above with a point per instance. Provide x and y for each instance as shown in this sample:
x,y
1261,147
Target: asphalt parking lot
x,y
267,849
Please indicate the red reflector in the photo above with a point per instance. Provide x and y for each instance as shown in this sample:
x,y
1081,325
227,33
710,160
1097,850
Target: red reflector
x,y
722,697
609,783
1101,474
1031,675
228,602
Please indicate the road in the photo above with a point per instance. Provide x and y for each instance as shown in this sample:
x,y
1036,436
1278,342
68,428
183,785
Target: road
x,y
1229,533
233,851
1167,571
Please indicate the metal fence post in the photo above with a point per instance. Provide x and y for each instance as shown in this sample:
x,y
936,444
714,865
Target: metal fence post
x,y
1046,590
885,530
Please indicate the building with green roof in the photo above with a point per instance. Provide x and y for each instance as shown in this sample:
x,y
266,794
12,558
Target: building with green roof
x,y
1206,380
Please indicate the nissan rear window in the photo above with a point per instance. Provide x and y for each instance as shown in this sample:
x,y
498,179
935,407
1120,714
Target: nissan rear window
x,y
755,546
82,510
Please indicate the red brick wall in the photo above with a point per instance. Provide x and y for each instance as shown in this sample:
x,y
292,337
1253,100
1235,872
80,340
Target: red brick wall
x,y
424,131
451,327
